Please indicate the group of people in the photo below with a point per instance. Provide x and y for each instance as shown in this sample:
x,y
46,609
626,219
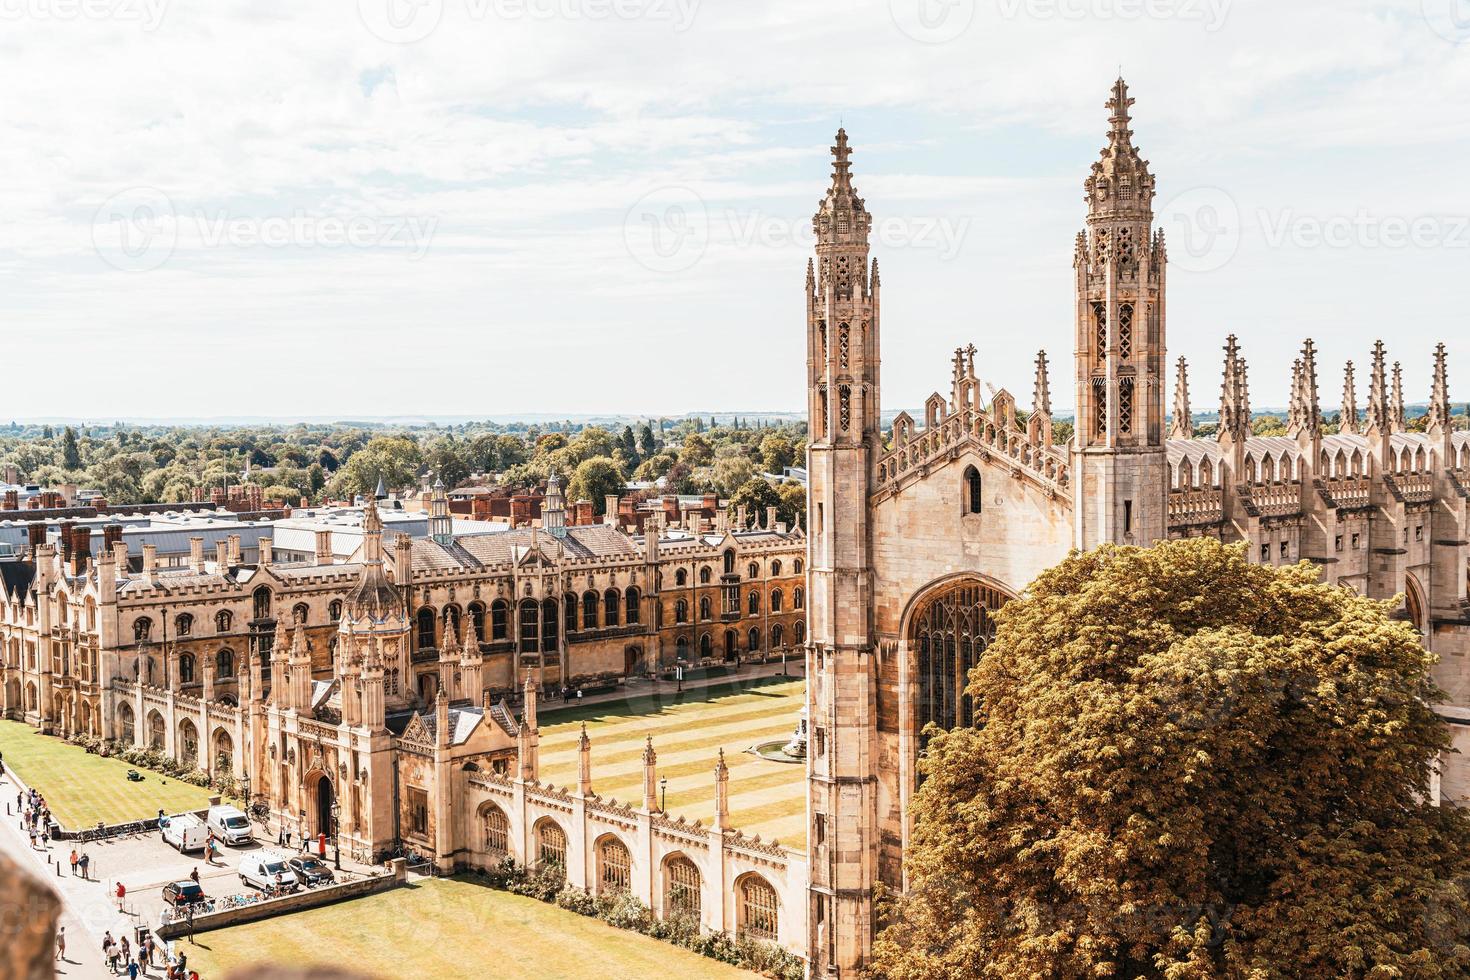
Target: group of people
x,y
35,816
121,960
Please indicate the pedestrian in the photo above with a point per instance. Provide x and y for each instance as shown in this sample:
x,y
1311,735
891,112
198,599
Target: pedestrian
x,y
132,970
61,944
281,834
122,893
125,951
84,861
194,875
73,862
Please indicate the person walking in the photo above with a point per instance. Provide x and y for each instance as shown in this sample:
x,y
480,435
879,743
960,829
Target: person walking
x,y
61,944
122,893
84,861
194,875
73,862
132,970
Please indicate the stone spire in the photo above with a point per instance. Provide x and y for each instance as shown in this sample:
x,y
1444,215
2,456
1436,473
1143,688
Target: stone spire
x,y
650,777
842,218
441,719
1183,424
722,795
1349,421
1304,413
299,667
1397,422
1439,395
1039,424
1378,419
1120,183
1235,398
554,510
584,763
471,663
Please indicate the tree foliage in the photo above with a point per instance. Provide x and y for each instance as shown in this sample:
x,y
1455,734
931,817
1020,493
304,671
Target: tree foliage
x,y
1189,766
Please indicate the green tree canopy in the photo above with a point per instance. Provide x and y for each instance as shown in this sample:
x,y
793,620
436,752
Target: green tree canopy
x,y
594,479
1189,766
755,495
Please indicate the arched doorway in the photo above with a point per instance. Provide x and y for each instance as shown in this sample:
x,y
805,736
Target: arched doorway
x,y
949,627
322,796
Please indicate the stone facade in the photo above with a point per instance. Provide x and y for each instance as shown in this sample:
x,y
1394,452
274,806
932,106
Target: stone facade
x,y
920,532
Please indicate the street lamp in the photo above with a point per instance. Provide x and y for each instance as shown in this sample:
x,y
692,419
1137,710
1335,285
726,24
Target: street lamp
x,y
663,794
336,841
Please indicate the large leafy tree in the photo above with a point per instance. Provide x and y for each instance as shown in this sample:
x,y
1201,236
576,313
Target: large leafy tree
x,y
1189,766
594,479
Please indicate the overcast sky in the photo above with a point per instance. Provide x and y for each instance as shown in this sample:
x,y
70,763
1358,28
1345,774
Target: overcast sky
x,y
494,206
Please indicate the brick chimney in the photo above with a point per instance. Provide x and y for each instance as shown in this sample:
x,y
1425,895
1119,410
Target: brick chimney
x,y
81,549
12,500
324,547
111,535
196,555
221,555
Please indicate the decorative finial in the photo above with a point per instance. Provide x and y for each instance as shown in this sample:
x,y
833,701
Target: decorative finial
x,y
1183,424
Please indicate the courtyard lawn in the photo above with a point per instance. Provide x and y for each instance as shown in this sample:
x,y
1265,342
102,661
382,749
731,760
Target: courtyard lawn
x,y
449,928
766,798
82,788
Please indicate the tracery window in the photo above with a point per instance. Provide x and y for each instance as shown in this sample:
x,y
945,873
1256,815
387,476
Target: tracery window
x,y
1125,331
184,624
616,867
1125,405
1099,407
497,830
498,611
551,845
973,495
1100,326
681,890
949,635
758,909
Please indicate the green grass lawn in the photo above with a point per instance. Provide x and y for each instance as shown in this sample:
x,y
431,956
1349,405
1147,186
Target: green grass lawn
x,y
82,788
766,798
450,928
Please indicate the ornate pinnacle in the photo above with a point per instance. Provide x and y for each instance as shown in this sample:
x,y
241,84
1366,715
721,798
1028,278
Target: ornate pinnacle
x,y
1118,106
1396,420
1311,404
1439,396
1041,391
1183,425
1349,419
1378,411
649,756
841,168
1235,399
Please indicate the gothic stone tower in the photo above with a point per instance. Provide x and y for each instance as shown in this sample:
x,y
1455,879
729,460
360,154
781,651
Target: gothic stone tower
x,y
1119,463
842,380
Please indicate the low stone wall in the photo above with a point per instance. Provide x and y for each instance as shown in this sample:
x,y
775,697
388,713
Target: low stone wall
x,y
309,898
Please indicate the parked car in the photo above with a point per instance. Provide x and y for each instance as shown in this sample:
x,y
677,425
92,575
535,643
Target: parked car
x,y
184,831
229,825
311,871
264,869
180,893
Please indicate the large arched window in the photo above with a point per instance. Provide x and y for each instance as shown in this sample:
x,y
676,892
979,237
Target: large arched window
x,y
972,492
729,561
569,612
530,613
300,614
186,668
495,828
334,610
681,578
142,629
777,635
426,623
759,917
614,867
704,611
222,621
775,568
589,610
798,598
261,600
681,887
753,603
550,641
949,632
706,646
798,631
753,639
610,601
551,845
776,600
681,648
451,619
477,618
753,570
184,624
796,566
224,664
630,606
498,619
681,611
704,575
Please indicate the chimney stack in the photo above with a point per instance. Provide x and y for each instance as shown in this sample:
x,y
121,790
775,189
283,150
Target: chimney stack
x,y
610,509
324,547
81,549
111,535
267,547
120,556
35,536
196,555
234,550
221,556
150,560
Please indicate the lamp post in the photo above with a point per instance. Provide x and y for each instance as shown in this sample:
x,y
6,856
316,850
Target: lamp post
x,y
663,794
336,841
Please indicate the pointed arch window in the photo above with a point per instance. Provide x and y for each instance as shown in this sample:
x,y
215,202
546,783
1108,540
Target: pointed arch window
x,y
1125,406
1125,331
972,488
950,632
1100,328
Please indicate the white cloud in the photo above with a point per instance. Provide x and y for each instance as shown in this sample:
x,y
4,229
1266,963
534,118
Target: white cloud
x,y
524,140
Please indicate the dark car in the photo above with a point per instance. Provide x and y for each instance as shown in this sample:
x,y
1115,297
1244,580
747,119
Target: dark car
x,y
181,893
310,871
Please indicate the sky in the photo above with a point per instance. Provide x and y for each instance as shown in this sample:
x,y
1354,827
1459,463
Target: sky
x,y
480,207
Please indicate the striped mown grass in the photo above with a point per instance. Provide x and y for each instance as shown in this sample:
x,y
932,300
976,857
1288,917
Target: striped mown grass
x,y
766,798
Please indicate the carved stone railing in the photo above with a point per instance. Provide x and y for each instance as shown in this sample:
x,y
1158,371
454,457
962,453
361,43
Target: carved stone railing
x,y
1193,507
1271,499
1345,494
1010,447
1410,488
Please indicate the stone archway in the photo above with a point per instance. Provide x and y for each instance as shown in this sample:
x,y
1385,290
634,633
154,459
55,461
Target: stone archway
x,y
126,724
223,755
156,737
321,794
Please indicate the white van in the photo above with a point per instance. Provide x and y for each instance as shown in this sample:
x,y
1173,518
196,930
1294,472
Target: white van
x,y
229,825
184,831
262,868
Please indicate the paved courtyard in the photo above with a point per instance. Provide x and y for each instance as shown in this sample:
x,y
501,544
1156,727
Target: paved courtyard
x,y
766,798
